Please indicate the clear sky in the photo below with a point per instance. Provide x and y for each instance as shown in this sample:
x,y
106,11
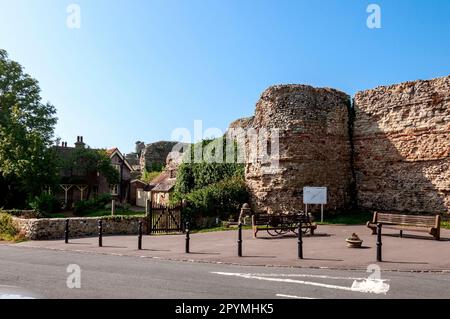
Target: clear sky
x,y
136,70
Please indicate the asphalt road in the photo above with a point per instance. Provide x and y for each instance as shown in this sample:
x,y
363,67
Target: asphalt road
x,y
42,273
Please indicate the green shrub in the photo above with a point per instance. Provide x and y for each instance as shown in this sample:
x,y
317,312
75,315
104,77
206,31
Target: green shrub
x,y
45,204
219,199
211,189
98,203
7,229
148,176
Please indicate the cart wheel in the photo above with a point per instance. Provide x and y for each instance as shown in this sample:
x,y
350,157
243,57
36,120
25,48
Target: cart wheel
x,y
304,230
274,232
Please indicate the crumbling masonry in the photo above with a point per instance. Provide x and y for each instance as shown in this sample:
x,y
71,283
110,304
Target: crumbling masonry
x,y
388,150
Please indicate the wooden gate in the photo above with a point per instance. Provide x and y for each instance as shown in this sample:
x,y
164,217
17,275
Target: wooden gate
x,y
165,219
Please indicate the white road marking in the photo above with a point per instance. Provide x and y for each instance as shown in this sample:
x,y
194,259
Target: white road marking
x,y
370,286
14,296
293,297
313,276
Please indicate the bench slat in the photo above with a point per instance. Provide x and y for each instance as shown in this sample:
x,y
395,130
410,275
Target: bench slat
x,y
430,224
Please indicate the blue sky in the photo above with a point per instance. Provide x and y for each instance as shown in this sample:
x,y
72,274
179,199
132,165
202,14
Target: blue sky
x,y
136,70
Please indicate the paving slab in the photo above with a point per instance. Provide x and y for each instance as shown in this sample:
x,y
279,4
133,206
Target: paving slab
x,y
326,249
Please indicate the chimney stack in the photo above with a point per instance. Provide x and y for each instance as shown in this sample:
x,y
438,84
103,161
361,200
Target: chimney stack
x,y
79,142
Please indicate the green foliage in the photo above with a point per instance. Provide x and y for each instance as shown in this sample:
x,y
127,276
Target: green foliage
x,y
148,176
212,188
154,167
7,229
45,204
98,203
120,212
194,176
27,163
218,199
85,163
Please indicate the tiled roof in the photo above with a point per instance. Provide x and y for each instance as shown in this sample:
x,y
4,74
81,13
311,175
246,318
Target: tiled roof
x,y
165,186
163,182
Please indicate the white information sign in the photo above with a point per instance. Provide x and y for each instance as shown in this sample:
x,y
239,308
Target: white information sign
x,y
315,195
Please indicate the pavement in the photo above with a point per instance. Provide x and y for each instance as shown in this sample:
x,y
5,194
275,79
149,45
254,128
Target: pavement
x,y
44,273
325,250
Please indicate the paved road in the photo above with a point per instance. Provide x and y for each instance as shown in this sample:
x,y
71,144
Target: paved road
x,y
43,273
327,248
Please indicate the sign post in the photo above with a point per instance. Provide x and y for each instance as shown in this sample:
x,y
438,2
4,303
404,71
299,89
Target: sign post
x,y
315,195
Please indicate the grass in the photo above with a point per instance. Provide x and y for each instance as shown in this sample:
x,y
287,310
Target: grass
x,y
215,229
8,230
14,239
359,218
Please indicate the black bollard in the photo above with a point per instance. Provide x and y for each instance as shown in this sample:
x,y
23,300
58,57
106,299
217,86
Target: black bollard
x,y
187,237
140,235
300,241
379,244
100,233
240,239
66,232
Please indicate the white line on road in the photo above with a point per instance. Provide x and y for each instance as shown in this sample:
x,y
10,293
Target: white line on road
x,y
293,297
363,287
313,276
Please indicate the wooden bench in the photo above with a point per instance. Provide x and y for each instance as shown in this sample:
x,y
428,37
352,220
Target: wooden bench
x,y
279,224
428,224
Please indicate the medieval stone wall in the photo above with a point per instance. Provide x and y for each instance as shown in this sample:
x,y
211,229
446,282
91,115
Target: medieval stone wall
x,y
402,147
314,147
154,155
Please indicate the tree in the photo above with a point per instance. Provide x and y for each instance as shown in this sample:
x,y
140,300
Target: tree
x,y
27,163
84,164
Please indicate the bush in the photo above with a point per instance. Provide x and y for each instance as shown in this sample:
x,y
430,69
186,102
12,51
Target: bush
x,y
219,199
45,204
7,229
148,176
98,203
212,189
193,176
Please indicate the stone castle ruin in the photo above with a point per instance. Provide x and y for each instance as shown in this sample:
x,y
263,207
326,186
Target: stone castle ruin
x,y
389,149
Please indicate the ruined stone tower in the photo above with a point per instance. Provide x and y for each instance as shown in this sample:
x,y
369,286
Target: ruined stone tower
x,y
389,151
314,148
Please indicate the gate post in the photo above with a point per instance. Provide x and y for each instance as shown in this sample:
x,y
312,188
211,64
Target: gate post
x,y
113,207
149,215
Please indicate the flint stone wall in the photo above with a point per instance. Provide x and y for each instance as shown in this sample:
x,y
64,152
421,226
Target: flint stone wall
x,y
155,154
53,228
314,148
402,147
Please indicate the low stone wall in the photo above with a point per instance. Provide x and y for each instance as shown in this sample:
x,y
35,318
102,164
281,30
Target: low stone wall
x,y
53,228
